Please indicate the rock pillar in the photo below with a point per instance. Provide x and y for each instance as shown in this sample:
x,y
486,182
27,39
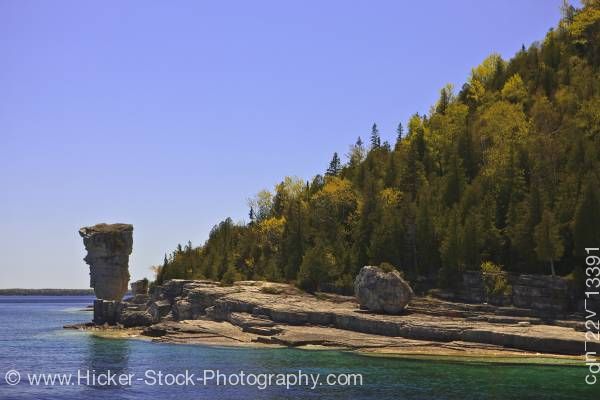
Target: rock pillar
x,y
108,248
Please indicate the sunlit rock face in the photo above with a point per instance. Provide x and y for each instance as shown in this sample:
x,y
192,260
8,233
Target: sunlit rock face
x,y
108,248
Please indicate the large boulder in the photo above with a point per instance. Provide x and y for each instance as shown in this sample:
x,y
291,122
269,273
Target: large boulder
x,y
381,291
108,249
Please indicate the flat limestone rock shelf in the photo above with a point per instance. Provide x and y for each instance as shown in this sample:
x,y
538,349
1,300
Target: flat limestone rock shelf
x,y
224,334
254,313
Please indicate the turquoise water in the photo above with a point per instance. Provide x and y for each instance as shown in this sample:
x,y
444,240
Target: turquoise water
x,y
32,341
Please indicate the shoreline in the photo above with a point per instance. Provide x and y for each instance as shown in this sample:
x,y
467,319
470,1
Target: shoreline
x,y
434,352
260,314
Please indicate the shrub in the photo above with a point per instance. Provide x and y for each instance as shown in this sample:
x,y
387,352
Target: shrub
x,y
231,275
316,266
495,281
271,290
387,267
344,284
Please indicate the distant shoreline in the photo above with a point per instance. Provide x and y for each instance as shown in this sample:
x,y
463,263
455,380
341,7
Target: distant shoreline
x,y
46,292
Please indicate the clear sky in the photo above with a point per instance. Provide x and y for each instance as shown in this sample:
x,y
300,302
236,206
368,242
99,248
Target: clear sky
x,y
170,115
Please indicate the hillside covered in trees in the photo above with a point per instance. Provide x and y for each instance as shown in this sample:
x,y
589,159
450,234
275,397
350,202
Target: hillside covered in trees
x,y
506,170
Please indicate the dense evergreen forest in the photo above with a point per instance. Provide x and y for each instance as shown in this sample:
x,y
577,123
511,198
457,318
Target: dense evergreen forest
x,y
504,170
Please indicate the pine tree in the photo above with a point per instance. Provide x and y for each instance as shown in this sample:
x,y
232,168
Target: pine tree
x,y
549,246
400,133
426,243
471,243
356,154
443,102
375,138
521,229
316,266
335,166
450,252
293,240
454,181
586,225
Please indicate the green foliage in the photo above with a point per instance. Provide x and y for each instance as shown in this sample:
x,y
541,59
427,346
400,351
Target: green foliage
x,y
586,224
504,171
387,267
514,89
335,166
271,290
231,275
317,266
375,138
549,246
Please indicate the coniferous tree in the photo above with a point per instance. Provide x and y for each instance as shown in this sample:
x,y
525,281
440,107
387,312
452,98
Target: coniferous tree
x,y
470,241
399,134
444,101
586,225
335,166
454,181
375,138
450,252
426,241
357,153
251,214
549,246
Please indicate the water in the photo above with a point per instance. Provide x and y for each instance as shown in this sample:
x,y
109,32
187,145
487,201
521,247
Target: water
x,y
32,341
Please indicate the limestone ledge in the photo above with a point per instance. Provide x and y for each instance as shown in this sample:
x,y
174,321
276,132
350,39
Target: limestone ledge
x,y
252,313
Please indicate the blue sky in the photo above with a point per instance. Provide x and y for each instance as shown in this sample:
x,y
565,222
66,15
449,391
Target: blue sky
x,y
170,115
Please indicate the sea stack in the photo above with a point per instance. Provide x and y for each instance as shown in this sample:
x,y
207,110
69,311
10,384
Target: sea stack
x,y
108,248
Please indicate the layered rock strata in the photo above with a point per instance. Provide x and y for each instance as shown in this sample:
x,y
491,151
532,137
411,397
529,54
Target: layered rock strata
x,y
184,311
108,249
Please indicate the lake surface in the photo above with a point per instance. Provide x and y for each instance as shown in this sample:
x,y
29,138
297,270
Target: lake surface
x,y
32,341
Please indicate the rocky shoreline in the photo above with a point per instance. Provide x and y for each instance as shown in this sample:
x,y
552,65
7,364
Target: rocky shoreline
x,y
263,314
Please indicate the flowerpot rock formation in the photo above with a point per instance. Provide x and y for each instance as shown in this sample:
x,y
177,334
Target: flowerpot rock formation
x,y
108,248
380,291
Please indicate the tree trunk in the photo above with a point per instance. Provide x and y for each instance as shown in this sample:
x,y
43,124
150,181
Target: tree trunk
x,y
552,267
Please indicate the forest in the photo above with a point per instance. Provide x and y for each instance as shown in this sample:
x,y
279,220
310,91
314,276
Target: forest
x,y
503,171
